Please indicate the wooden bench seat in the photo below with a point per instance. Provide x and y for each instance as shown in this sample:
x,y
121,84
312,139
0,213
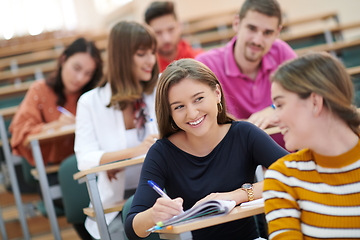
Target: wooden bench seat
x,y
42,55
116,207
217,28
8,112
310,19
15,89
46,44
353,70
48,169
205,23
335,46
335,29
28,71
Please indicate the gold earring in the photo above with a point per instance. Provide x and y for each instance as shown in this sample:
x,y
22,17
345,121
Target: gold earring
x,y
174,128
220,107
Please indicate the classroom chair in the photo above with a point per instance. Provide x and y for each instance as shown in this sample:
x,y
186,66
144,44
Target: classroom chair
x,y
124,213
75,196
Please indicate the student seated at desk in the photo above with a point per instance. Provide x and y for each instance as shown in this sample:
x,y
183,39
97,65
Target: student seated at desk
x,y
202,154
161,17
315,192
79,70
117,120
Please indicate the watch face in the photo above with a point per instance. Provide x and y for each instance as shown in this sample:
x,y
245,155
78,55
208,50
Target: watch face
x,y
246,185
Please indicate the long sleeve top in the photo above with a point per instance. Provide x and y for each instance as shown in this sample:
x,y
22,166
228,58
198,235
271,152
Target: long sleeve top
x,y
101,129
310,196
229,165
39,107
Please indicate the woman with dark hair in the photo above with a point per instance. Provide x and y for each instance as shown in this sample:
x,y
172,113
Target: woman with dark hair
x,y
79,70
315,192
202,154
117,120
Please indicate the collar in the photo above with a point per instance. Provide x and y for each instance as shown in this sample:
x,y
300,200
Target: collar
x,y
342,160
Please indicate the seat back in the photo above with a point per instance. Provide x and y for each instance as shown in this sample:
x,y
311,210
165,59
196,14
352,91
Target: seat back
x,y
75,196
124,213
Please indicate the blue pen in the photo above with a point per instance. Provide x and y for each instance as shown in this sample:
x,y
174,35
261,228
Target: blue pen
x,y
158,189
64,111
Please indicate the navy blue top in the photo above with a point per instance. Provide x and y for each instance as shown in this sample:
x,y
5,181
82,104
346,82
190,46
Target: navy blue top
x,y
229,165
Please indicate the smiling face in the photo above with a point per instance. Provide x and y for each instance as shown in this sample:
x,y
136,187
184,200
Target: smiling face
x,y
77,71
294,117
144,62
194,106
167,30
256,33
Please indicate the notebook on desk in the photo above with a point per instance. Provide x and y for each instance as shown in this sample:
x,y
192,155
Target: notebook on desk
x,y
205,209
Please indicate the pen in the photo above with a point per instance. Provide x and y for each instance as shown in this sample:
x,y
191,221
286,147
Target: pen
x,y
158,189
64,111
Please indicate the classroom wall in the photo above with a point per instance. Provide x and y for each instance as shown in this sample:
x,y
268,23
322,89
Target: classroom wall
x,y
188,9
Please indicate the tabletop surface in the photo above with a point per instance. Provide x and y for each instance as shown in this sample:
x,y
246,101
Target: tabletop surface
x,y
235,214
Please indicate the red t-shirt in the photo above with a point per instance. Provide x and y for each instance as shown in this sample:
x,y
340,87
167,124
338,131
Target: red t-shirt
x,y
184,50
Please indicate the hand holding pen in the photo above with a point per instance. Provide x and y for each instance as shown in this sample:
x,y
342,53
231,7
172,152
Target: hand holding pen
x,y
66,118
164,207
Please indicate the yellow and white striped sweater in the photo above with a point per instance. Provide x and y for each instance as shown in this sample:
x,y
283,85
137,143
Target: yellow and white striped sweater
x,y
309,196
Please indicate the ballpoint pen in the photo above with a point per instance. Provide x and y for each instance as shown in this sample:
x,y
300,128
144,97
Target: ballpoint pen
x,y
64,111
157,189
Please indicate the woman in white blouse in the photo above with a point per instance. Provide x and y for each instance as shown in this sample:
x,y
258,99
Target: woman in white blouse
x,y
117,119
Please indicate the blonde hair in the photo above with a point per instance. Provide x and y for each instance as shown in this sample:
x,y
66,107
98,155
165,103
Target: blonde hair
x,y
324,75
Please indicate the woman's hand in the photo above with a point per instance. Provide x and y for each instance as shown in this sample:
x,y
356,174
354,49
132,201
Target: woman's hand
x,y
147,143
237,196
62,121
112,173
66,120
165,209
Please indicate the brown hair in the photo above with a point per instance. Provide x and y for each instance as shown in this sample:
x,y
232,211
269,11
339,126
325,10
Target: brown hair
x,y
124,40
159,9
269,8
324,75
80,45
175,73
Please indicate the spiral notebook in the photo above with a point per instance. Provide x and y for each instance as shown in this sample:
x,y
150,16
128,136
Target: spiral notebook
x,y
205,209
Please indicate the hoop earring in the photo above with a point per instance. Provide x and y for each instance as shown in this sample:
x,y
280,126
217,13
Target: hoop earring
x,y
220,107
172,126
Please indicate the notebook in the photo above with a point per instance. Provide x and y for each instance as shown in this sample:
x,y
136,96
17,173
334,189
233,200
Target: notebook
x,y
205,209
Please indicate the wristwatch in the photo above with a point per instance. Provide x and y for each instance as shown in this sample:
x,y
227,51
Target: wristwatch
x,y
248,188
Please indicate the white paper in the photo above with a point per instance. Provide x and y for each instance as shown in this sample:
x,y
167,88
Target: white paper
x,y
252,203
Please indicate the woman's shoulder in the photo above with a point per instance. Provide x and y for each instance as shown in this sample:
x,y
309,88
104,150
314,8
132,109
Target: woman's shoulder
x,y
292,160
94,94
243,126
40,85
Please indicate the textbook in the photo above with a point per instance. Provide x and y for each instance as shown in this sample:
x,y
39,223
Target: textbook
x,y
202,210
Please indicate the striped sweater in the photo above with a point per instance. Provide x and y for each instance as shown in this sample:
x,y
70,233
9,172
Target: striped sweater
x,y
309,196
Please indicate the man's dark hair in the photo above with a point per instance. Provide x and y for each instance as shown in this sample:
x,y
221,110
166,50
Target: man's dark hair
x,y
159,9
269,8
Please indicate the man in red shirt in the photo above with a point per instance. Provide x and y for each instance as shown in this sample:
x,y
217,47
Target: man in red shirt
x,y
161,17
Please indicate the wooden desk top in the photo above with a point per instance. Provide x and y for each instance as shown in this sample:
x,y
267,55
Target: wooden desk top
x,y
109,166
294,36
311,18
353,70
237,213
13,89
8,112
328,47
66,130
